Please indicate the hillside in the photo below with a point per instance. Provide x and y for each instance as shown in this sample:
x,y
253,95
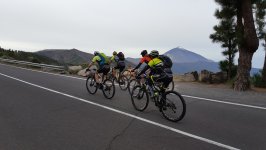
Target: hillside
x,y
64,56
180,55
26,56
70,57
186,61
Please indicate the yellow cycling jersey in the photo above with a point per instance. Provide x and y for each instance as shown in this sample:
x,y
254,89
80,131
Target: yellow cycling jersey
x,y
96,59
155,62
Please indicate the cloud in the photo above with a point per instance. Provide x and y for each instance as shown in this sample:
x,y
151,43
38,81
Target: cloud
x,y
107,25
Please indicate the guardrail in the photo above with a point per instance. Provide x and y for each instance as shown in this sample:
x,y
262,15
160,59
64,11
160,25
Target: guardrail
x,y
53,67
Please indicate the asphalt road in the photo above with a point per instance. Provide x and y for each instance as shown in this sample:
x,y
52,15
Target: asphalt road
x,y
44,111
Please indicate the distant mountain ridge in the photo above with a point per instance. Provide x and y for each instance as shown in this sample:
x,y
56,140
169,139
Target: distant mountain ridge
x,y
26,56
183,60
186,61
70,56
67,56
180,55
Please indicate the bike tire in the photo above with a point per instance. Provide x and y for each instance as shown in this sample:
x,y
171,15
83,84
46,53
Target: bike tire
x,y
171,86
123,82
131,84
108,89
141,96
175,104
91,85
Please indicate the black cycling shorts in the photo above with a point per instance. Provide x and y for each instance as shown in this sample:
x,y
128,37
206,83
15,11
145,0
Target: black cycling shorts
x,y
121,68
104,69
165,79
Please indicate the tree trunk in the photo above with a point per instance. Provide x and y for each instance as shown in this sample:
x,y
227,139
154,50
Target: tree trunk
x,y
230,49
248,45
242,82
264,67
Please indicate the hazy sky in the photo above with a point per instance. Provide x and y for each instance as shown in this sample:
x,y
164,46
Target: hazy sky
x,y
107,25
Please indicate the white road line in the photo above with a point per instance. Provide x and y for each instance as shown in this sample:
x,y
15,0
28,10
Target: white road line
x,y
223,102
189,96
129,115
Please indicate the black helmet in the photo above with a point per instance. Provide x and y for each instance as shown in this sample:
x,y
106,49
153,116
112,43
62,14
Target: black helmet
x,y
96,53
154,53
144,52
114,53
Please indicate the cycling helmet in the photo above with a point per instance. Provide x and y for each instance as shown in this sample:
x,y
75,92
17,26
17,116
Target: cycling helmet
x,y
154,53
114,53
144,52
96,53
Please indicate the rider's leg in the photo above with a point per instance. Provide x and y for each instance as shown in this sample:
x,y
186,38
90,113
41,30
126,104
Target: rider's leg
x,y
150,85
113,72
97,78
120,70
97,75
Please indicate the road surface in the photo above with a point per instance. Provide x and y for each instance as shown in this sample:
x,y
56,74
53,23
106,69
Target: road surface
x,y
46,111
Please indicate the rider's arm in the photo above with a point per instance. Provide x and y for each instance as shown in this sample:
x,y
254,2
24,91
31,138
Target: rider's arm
x,y
144,70
137,67
142,60
150,65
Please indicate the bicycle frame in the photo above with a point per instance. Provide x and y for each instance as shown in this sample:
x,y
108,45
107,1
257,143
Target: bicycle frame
x,y
152,89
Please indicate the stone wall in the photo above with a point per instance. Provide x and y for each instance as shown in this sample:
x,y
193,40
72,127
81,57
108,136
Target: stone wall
x,y
187,77
210,77
204,76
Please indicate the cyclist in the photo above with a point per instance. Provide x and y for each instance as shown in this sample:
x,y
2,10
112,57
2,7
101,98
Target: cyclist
x,y
101,61
119,60
145,59
158,73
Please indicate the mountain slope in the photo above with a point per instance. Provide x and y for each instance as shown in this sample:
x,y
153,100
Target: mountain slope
x,y
180,55
186,61
72,56
133,60
26,56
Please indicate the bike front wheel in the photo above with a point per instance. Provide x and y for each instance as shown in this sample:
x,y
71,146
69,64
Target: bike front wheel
x,y
139,98
91,85
123,82
131,84
108,89
171,86
173,106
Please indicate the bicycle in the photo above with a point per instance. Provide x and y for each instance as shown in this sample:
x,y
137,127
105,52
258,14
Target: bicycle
x,y
121,79
107,87
170,103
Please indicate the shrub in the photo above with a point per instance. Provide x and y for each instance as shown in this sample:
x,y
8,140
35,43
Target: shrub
x,y
256,79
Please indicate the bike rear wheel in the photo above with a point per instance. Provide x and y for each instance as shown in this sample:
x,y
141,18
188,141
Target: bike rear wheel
x,y
173,106
123,82
139,98
91,85
108,89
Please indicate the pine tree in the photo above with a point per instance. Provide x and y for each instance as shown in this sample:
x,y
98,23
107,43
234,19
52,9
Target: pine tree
x,y
260,21
225,33
247,39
